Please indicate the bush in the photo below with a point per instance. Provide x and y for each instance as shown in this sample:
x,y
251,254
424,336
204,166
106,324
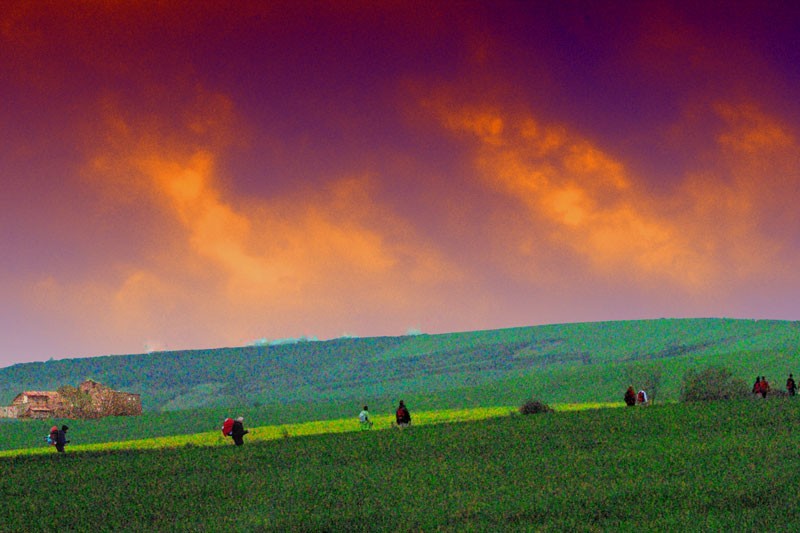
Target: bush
x,y
712,383
532,407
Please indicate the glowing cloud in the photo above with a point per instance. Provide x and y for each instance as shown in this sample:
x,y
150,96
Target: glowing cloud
x,y
237,266
585,200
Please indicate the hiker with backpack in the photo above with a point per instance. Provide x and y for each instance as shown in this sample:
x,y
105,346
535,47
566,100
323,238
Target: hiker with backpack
x,y
234,428
402,416
757,386
238,432
764,386
363,419
61,439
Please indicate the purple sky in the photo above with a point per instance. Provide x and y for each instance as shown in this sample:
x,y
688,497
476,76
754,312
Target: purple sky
x,y
205,174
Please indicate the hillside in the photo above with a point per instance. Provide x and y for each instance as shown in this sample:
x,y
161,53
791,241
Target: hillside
x,y
559,363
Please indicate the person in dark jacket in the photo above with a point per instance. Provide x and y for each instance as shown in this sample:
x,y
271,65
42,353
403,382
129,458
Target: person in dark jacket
x,y
630,397
402,415
61,439
791,386
238,431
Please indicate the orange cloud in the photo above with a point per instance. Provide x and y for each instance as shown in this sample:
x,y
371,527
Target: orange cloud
x,y
219,267
583,199
752,132
753,200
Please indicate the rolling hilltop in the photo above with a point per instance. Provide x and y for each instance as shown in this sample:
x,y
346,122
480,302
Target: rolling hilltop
x,y
585,362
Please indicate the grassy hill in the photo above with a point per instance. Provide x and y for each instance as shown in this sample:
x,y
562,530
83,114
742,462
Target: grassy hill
x,y
670,467
586,362
674,467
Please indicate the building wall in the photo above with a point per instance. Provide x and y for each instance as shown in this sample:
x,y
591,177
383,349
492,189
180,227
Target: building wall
x,y
132,403
38,400
12,411
104,402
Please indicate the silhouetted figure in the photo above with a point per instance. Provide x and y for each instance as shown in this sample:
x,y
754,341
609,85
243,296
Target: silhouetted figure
x,y
757,386
402,416
630,397
61,439
791,386
238,432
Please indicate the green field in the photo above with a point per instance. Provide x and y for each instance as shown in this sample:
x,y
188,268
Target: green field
x,y
712,466
469,463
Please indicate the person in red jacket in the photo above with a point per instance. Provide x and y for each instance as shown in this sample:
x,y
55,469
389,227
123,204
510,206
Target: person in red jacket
x,y
764,386
757,386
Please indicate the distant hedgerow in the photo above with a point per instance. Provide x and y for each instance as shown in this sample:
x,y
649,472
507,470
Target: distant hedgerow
x,y
712,383
532,407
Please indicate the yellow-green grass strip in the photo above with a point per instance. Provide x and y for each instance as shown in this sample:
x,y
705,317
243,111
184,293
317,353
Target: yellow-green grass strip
x,y
267,433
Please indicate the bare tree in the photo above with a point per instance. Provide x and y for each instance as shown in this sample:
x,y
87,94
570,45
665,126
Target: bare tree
x,y
74,403
646,377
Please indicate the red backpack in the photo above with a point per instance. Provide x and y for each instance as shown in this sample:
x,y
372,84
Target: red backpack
x,y
53,436
402,415
227,427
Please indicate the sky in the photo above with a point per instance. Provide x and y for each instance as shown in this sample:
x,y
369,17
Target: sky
x,y
201,174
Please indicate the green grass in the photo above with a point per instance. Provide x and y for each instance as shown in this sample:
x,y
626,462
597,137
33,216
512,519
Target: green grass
x,y
674,467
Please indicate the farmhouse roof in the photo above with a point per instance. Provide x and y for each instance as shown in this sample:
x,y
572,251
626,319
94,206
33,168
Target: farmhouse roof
x,y
23,397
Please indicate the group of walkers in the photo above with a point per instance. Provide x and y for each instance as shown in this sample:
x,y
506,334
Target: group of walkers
x,y
635,398
235,428
761,386
401,415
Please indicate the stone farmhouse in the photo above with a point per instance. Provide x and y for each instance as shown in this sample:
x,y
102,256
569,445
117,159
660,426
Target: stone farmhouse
x,y
89,400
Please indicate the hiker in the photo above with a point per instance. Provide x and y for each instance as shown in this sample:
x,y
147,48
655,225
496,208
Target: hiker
x,y
363,419
61,439
791,386
641,398
757,386
402,415
238,432
764,386
630,397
